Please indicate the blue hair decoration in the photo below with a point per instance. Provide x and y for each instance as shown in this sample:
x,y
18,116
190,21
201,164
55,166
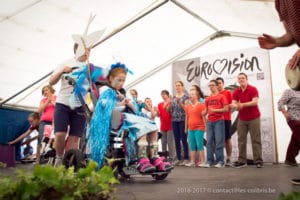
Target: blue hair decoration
x,y
121,65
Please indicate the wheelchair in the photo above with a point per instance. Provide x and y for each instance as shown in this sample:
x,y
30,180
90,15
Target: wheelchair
x,y
116,151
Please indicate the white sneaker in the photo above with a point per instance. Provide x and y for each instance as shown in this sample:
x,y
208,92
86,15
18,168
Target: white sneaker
x,y
228,162
190,164
204,165
219,165
58,162
184,163
177,162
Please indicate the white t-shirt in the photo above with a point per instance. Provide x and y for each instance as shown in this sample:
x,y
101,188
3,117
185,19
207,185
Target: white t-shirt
x,y
66,89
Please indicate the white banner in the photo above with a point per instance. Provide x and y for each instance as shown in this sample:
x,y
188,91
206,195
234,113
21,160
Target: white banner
x,y
255,63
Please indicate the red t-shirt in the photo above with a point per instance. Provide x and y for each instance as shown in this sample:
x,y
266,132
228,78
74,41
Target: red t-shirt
x,y
165,118
194,115
215,102
228,96
247,113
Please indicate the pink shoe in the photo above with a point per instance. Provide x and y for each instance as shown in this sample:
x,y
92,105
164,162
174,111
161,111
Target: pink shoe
x,y
161,165
144,166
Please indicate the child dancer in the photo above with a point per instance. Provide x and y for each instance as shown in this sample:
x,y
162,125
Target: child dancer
x,y
137,126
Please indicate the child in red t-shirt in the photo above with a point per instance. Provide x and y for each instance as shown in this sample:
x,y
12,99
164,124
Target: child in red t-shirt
x,y
216,104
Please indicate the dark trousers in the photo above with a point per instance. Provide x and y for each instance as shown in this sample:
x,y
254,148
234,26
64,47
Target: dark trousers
x,y
294,145
180,136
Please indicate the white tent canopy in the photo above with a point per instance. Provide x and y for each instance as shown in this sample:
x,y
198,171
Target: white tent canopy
x,y
146,35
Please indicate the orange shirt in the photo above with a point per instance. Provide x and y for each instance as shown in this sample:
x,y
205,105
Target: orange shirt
x,y
194,116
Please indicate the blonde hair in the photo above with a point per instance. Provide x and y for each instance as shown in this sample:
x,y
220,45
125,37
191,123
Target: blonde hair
x,y
49,87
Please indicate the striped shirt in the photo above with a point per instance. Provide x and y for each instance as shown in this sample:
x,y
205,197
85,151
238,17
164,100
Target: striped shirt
x,y
291,99
289,12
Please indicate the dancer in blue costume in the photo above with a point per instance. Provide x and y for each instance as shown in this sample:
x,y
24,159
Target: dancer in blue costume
x,y
137,126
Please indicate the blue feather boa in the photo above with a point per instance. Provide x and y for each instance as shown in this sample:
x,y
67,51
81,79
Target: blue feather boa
x,y
82,85
100,125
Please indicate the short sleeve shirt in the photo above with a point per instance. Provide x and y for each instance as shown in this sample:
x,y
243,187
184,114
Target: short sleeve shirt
x,y
66,89
228,96
215,102
194,115
247,113
165,118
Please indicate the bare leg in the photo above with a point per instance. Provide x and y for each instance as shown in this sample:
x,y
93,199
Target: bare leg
x,y
72,142
228,146
38,153
60,143
59,147
201,157
193,156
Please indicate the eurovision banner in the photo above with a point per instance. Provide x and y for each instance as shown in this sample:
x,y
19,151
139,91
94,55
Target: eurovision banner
x,y
256,64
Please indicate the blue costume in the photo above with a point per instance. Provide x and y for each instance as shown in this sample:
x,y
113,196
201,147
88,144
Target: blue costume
x,y
137,125
98,141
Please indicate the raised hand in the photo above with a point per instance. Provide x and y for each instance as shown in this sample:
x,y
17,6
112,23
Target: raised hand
x,y
295,60
267,41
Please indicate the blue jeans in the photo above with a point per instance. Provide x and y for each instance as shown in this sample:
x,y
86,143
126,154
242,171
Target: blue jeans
x,y
215,139
180,136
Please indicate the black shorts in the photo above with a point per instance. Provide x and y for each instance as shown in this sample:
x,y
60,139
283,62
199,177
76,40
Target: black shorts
x,y
227,129
64,117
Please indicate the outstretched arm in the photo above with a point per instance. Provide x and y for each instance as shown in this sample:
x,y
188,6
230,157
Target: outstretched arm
x,y
21,137
270,42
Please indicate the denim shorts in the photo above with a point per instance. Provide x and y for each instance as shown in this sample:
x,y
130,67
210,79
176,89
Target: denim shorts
x,y
65,117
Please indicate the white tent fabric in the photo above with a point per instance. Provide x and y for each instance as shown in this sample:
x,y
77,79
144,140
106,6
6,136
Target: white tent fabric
x,y
36,37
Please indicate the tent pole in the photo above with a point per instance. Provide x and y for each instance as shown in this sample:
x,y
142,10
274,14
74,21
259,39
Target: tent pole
x,y
26,88
242,35
20,10
129,23
194,15
211,37
178,56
